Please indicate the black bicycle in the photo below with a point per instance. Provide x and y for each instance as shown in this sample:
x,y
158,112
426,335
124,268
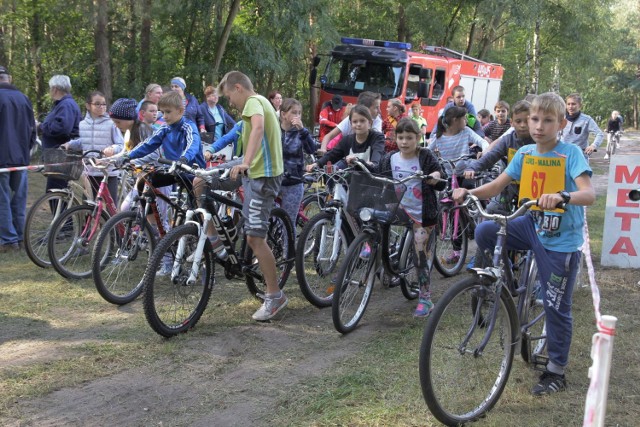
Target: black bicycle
x,y
469,341
174,303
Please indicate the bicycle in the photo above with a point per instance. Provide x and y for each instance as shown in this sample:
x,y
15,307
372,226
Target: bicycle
x,y
61,164
454,229
175,302
613,142
323,242
73,233
374,199
468,344
126,242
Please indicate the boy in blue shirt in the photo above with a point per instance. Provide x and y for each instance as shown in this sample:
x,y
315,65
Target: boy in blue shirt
x,y
555,238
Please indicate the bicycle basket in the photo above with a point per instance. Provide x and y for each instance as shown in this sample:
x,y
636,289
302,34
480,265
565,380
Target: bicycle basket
x,y
62,164
382,197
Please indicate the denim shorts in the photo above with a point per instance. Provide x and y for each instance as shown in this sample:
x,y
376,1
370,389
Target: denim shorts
x,y
259,197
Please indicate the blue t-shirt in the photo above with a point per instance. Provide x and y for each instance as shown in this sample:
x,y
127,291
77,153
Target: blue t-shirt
x,y
560,232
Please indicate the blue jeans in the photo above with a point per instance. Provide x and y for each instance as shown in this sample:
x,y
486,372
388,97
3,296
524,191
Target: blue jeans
x,y
13,206
557,272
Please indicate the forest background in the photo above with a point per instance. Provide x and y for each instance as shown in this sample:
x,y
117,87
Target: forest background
x,y
119,46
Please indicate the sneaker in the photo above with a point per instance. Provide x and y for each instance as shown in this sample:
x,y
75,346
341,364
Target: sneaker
x,y
549,383
270,307
606,156
425,305
453,257
472,263
365,253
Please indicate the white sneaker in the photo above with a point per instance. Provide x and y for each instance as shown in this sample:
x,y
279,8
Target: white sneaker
x,y
270,307
606,156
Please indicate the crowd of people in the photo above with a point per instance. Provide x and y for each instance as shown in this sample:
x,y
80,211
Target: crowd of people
x,y
271,140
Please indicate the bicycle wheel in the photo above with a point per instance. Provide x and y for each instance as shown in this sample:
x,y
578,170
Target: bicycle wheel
x,y
37,226
460,384
451,242
315,270
532,319
355,283
280,240
71,242
312,205
172,303
120,257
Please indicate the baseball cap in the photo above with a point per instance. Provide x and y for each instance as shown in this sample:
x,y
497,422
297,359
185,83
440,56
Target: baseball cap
x,y
336,102
3,70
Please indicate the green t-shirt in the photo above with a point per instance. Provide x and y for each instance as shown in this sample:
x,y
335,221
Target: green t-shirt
x,y
421,121
267,161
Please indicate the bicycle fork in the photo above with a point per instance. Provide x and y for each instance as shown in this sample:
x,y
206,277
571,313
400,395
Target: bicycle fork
x,y
197,254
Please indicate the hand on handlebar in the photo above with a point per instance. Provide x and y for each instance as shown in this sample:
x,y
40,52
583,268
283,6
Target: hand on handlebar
x,y
240,169
460,194
548,202
590,149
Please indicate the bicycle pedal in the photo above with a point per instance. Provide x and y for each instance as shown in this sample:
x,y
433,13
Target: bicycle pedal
x,y
540,362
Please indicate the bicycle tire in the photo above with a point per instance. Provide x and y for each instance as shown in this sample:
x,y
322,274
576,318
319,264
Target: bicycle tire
x,y
125,249
69,250
534,339
459,386
280,240
314,269
38,223
312,205
354,285
172,306
445,244
409,284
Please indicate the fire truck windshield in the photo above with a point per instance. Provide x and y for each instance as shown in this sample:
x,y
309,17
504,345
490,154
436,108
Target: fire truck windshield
x,y
350,76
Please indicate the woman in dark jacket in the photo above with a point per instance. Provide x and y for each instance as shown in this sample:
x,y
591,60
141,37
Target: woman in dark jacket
x,y
216,118
191,107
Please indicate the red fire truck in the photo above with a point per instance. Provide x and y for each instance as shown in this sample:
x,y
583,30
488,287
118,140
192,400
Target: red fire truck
x,y
394,71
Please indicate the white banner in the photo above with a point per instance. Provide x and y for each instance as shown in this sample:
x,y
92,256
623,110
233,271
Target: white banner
x,y
620,243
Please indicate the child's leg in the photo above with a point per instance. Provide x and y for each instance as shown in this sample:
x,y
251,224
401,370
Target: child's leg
x,y
291,196
423,262
259,197
557,272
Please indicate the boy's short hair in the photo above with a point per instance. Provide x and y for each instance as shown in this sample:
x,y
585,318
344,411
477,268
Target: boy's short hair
x,y
457,89
145,105
288,104
484,113
576,97
521,107
233,78
550,103
172,99
502,104
367,98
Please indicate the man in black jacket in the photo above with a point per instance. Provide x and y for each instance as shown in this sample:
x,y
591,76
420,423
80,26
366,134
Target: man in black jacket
x,y
17,136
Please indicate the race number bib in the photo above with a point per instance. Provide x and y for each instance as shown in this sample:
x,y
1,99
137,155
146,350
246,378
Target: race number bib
x,y
510,154
541,175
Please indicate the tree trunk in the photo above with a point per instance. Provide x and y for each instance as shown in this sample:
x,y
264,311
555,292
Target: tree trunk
x,y
224,38
145,43
3,56
536,58
448,32
472,30
102,48
36,42
133,45
403,31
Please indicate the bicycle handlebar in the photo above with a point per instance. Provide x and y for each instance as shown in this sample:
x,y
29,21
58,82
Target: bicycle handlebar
x,y
177,164
524,207
418,174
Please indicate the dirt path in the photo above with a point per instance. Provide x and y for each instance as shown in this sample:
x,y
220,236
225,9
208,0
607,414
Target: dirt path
x,y
229,375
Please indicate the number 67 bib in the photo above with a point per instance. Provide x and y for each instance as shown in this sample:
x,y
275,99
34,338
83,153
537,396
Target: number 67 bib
x,y
541,175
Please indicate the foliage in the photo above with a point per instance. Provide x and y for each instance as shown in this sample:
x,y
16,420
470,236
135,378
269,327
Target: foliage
x,y
591,48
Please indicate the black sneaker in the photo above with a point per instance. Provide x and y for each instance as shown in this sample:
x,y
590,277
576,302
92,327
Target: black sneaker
x,y
549,383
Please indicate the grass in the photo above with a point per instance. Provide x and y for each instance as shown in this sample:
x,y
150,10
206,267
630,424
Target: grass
x,y
60,336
